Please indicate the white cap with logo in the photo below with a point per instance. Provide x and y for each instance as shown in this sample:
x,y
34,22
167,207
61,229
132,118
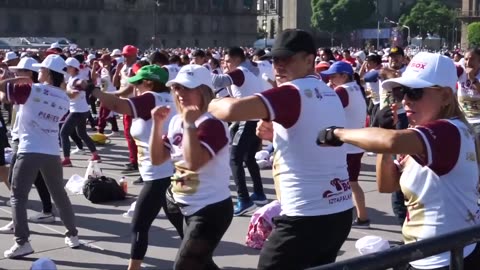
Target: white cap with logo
x,y
426,70
10,56
192,76
53,62
72,62
26,63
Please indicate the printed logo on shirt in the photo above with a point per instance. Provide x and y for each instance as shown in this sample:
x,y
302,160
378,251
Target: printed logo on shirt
x,y
36,99
48,117
177,139
337,195
317,94
308,93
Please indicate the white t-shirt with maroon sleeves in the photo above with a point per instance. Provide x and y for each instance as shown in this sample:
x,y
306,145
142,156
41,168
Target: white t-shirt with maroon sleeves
x,y
244,83
210,184
42,108
309,180
141,129
355,107
440,187
79,103
173,70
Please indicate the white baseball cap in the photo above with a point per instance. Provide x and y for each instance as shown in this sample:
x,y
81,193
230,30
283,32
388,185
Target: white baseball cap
x,y
55,45
192,76
116,52
53,62
72,62
90,57
43,264
10,56
426,70
26,63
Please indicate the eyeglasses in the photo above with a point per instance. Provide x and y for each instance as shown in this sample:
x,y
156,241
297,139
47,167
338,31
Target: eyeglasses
x,y
413,94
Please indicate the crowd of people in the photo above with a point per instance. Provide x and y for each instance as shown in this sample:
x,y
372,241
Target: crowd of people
x,y
192,118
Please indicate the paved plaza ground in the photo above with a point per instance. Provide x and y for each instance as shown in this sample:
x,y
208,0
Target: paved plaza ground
x,y
105,233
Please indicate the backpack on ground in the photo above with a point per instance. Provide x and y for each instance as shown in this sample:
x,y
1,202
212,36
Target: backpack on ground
x,y
102,189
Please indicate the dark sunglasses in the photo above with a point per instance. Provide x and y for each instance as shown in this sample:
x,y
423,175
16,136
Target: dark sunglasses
x,y
413,94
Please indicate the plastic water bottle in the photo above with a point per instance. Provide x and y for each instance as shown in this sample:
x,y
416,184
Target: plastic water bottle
x,y
123,184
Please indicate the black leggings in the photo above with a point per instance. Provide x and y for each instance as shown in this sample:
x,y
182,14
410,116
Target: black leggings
x,y
75,121
39,182
150,200
203,233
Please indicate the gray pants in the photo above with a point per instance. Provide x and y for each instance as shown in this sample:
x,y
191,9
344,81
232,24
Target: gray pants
x,y
25,172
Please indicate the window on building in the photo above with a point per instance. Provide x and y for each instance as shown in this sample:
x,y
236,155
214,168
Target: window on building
x,y
92,24
197,43
74,24
215,43
91,42
44,26
247,4
179,42
180,5
197,26
215,25
162,26
164,43
14,23
179,26
272,28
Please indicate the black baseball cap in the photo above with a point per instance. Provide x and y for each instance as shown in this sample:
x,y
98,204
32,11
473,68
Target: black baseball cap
x,y
292,41
396,50
259,52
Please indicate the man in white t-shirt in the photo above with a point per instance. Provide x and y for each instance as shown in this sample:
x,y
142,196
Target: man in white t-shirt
x,y
311,182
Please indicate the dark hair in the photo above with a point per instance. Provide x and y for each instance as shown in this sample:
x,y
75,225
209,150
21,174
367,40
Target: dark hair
x,y
174,59
346,51
356,77
80,58
143,63
375,58
63,57
329,54
199,53
34,76
57,78
236,52
475,51
215,62
158,58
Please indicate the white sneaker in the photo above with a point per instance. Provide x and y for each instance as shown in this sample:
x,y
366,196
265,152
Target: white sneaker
x,y
111,134
17,251
7,228
77,151
72,241
42,218
371,154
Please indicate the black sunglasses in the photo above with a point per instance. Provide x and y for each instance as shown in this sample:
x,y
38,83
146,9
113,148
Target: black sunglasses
x,y
413,94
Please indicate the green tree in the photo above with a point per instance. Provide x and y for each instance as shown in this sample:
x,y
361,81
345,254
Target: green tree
x,y
473,32
341,16
428,16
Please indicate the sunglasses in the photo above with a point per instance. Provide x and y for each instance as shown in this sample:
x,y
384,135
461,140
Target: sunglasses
x,y
413,94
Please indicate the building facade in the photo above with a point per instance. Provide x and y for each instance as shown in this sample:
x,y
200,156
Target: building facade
x,y
145,23
469,13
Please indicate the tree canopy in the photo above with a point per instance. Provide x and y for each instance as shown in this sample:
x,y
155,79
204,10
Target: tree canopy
x,y
341,16
473,31
428,16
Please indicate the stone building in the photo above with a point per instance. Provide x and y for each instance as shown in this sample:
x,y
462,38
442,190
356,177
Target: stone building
x,y
469,13
113,23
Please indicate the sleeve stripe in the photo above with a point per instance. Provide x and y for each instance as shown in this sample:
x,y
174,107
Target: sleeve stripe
x,y
426,143
132,106
271,112
209,149
167,145
9,86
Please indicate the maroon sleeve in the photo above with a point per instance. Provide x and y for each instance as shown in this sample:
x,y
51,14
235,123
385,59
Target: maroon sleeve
x,y
283,104
212,135
237,76
343,95
18,93
166,141
142,106
441,141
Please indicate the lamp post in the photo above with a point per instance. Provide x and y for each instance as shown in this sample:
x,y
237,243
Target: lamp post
x,y
265,27
401,25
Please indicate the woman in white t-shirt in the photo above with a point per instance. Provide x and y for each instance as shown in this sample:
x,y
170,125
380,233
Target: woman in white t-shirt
x,y
437,167
79,110
198,144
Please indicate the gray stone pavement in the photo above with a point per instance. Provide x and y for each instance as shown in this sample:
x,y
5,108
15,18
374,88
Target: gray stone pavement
x,y
105,233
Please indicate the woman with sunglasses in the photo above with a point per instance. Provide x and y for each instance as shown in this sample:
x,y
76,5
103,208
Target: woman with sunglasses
x,y
149,83
198,144
437,163
43,105
79,111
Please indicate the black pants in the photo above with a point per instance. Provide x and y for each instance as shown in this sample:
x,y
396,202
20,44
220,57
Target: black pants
x,y
150,200
75,121
39,182
74,136
245,145
304,242
471,262
203,233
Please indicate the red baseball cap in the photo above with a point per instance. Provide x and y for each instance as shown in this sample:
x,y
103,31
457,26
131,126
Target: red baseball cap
x,y
136,67
129,50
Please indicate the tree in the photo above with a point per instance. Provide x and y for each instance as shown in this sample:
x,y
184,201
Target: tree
x,y
341,16
428,16
473,32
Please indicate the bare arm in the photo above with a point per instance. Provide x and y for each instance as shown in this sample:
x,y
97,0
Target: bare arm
x,y
194,153
124,92
238,109
388,176
381,140
159,153
113,102
117,76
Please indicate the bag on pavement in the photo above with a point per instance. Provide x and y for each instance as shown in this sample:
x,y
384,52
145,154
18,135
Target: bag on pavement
x,y
93,170
102,189
261,224
75,184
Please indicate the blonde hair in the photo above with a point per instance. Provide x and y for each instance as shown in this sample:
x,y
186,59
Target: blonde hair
x,y
207,97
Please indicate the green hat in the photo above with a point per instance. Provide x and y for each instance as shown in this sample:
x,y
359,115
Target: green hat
x,y
151,73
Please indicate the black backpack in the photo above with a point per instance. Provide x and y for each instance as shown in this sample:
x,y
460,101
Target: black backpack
x,y
102,189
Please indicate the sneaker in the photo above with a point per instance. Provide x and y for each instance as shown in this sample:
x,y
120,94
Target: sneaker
x,y
111,134
17,251
7,228
361,224
43,218
243,207
130,167
259,198
139,181
72,241
371,154
95,157
67,163
77,151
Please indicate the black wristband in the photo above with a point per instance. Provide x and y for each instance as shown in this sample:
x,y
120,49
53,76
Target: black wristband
x,y
327,137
